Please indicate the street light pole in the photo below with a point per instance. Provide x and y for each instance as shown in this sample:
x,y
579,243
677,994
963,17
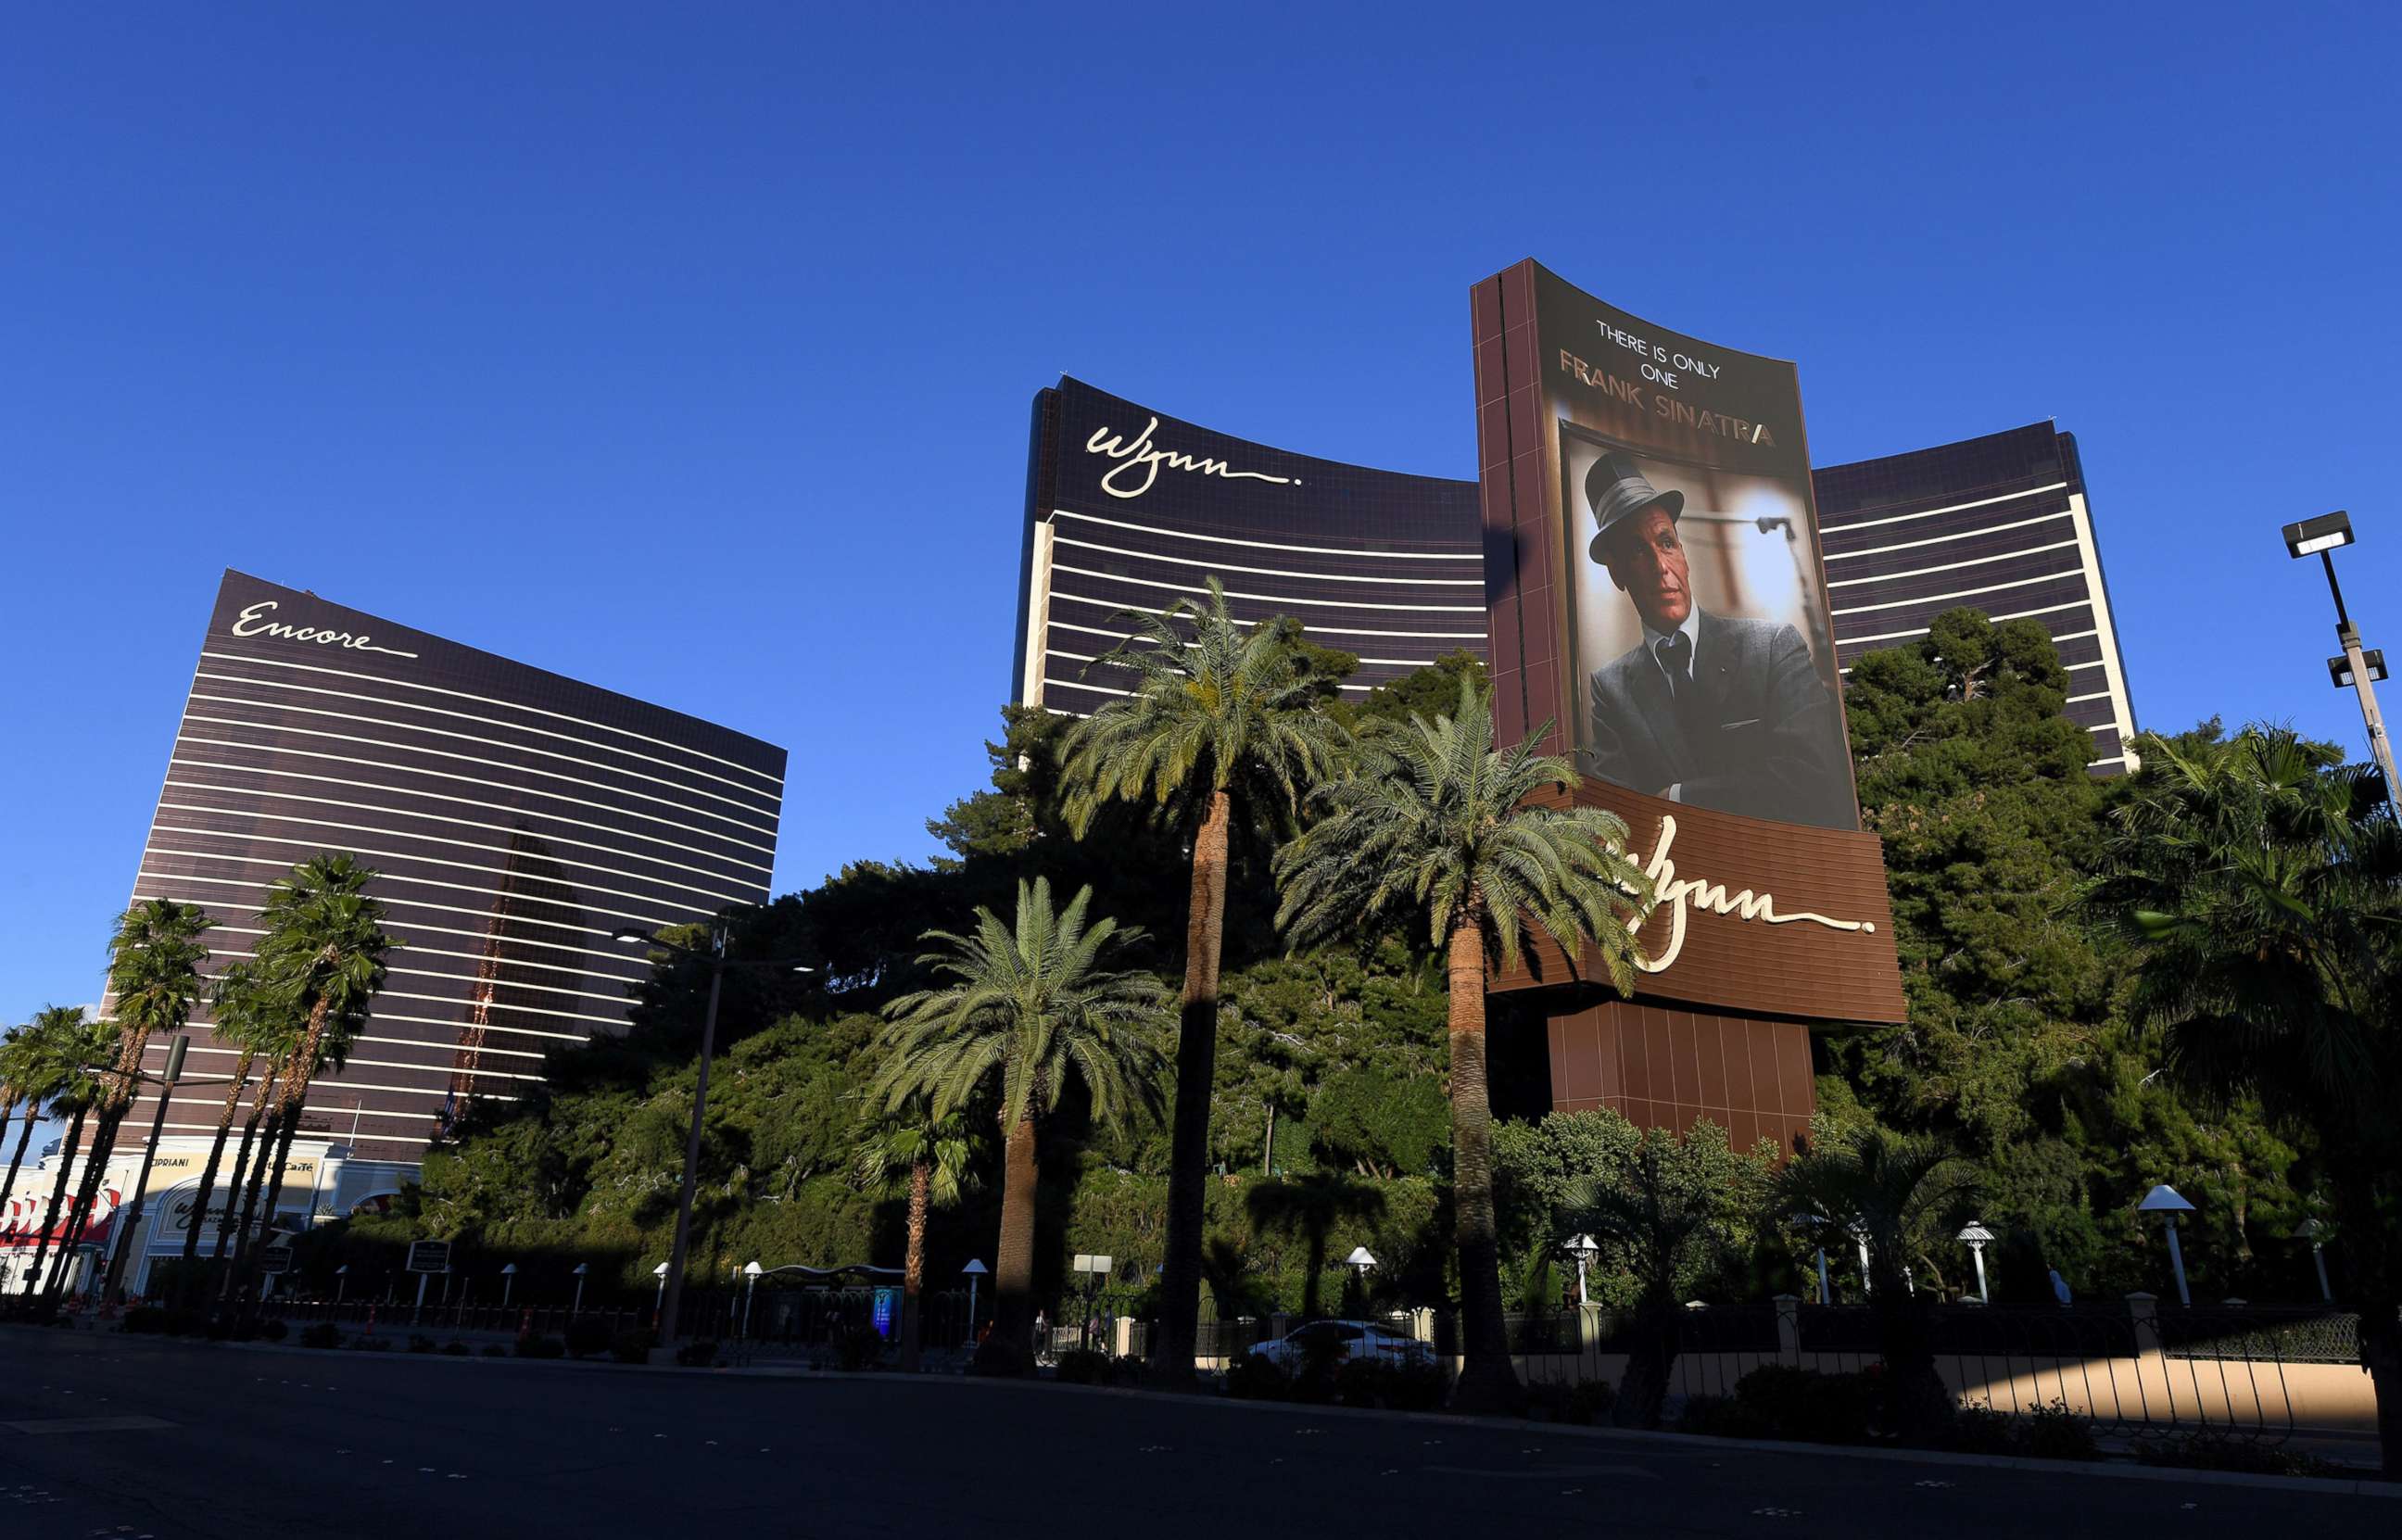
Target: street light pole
x,y
133,1214
2320,537
671,1280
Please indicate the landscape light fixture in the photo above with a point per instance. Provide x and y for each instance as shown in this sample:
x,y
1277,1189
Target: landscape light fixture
x,y
2313,1229
1816,1224
2353,671
2166,1201
975,1271
581,1268
1360,1261
750,1272
670,1272
1977,1237
508,1282
1584,1249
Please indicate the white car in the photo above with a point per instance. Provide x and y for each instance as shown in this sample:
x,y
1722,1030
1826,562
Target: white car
x,y
1352,1338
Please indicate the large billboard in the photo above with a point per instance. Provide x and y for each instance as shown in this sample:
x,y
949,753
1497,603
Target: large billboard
x,y
1697,634
1653,572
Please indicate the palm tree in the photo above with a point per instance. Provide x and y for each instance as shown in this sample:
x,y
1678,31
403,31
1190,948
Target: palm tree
x,y
35,1067
1435,826
928,1159
82,1046
324,951
1226,724
2260,882
1033,1006
1659,1228
243,1014
1310,1206
1890,1193
154,972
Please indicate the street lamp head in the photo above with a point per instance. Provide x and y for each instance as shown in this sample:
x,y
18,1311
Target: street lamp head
x,y
510,1270
660,1271
2311,1228
1976,1234
2339,668
630,935
2164,1198
1583,1246
2322,533
752,1270
1361,1258
341,1270
583,1268
976,1269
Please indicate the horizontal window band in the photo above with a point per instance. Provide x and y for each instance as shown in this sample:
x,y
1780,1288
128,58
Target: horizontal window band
x,y
1945,540
421,949
475,760
1477,556
1964,593
471,977
282,753
511,752
507,705
777,794
440,1046
1078,684
2021,615
249,795
390,902
1931,513
1311,627
1955,566
227,1166
493,893
437,861
1270,572
1127,637
469,1005
447,796
1272,599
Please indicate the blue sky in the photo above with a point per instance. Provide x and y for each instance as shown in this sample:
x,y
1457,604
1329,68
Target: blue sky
x,y
691,353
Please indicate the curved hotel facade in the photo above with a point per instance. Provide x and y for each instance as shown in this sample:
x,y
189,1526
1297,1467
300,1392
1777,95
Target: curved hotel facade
x,y
2000,523
1128,509
514,818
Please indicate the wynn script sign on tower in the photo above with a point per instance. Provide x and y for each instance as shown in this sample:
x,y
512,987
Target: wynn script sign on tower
x,y
1652,568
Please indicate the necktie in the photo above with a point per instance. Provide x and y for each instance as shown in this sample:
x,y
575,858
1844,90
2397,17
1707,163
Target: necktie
x,y
1676,655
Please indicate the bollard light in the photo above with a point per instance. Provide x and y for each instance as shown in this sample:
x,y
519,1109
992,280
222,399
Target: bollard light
x,y
1977,1237
2168,1203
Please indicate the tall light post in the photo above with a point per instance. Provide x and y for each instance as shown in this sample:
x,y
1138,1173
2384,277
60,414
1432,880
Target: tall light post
x,y
342,1282
2356,670
133,1214
581,1268
660,1304
2311,1229
1978,1238
1584,1249
508,1282
2165,1201
974,1271
671,1275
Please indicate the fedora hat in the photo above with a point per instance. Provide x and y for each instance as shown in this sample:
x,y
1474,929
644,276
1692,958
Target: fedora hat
x,y
1618,491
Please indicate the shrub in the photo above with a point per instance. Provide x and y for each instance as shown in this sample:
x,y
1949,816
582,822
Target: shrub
x,y
1582,1404
2055,1432
1252,1378
586,1337
702,1355
1083,1367
541,1347
454,1348
273,1331
1420,1386
324,1334
417,1342
1720,1417
1359,1383
1982,1430
372,1344
1803,1404
859,1348
2206,1448
491,1349
145,1321
186,1323
632,1345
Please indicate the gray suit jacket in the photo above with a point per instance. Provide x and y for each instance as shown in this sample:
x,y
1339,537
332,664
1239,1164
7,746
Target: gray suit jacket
x,y
1758,736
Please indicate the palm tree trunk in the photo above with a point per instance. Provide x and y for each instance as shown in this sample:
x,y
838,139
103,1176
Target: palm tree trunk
x,y
913,1268
257,1255
1196,1072
86,1197
1486,1381
58,1198
262,1154
244,1182
209,1178
24,1137
1010,1349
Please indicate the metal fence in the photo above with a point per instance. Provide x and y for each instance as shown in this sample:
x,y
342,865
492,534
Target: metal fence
x,y
2132,1368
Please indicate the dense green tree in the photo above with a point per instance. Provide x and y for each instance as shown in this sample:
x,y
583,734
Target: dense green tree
x,y
1025,1009
1223,725
1662,1227
1437,826
2260,881
1310,1206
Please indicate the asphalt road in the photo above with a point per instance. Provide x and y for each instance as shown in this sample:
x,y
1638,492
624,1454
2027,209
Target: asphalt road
x,y
139,1440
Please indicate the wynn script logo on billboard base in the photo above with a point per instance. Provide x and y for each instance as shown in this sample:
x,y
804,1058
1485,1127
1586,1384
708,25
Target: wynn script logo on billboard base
x,y
1145,460
1675,894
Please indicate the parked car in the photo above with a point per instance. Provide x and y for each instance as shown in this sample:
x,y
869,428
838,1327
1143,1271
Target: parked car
x,y
1354,1339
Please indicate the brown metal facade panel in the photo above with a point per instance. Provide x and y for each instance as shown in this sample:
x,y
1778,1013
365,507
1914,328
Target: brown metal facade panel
x,y
1772,1098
